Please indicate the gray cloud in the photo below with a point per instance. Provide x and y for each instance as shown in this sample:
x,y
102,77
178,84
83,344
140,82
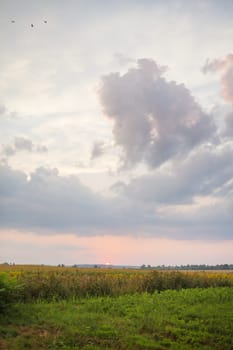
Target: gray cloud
x,y
214,65
49,203
22,144
2,110
41,149
154,119
204,173
229,124
97,150
8,150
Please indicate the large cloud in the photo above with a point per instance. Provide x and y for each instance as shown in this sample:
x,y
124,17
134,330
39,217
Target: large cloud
x,y
154,119
204,173
49,203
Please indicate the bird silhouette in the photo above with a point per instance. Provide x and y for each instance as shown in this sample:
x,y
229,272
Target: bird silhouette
x,y
32,25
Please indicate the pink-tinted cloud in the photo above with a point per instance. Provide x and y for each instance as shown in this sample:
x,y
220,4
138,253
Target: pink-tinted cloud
x,y
225,66
155,120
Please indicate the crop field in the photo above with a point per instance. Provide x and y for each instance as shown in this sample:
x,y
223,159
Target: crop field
x,y
70,308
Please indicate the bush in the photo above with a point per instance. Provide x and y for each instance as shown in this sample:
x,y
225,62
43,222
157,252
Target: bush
x,y
9,291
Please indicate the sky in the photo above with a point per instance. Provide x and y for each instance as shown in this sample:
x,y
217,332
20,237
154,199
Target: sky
x,y
116,137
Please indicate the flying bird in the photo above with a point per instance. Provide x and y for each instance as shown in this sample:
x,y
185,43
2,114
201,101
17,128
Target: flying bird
x,y
32,25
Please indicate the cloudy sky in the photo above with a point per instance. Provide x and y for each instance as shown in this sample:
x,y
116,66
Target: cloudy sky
x,y
116,131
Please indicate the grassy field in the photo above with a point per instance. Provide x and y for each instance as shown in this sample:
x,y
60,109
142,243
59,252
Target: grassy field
x,y
59,308
184,319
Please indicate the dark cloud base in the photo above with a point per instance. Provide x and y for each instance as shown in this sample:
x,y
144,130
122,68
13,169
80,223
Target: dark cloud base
x,y
48,203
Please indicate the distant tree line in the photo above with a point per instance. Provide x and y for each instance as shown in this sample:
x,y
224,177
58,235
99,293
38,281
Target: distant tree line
x,y
190,267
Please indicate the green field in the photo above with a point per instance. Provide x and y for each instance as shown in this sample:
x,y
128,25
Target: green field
x,y
163,312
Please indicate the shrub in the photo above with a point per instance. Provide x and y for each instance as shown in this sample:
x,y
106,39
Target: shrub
x,y
9,291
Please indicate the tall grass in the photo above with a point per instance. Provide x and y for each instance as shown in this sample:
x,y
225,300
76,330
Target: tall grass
x,y
67,283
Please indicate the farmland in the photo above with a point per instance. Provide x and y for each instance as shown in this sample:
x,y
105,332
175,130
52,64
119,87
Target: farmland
x,y
69,308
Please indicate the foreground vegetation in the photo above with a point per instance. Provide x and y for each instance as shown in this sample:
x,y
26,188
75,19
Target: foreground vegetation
x,y
70,308
184,319
53,283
